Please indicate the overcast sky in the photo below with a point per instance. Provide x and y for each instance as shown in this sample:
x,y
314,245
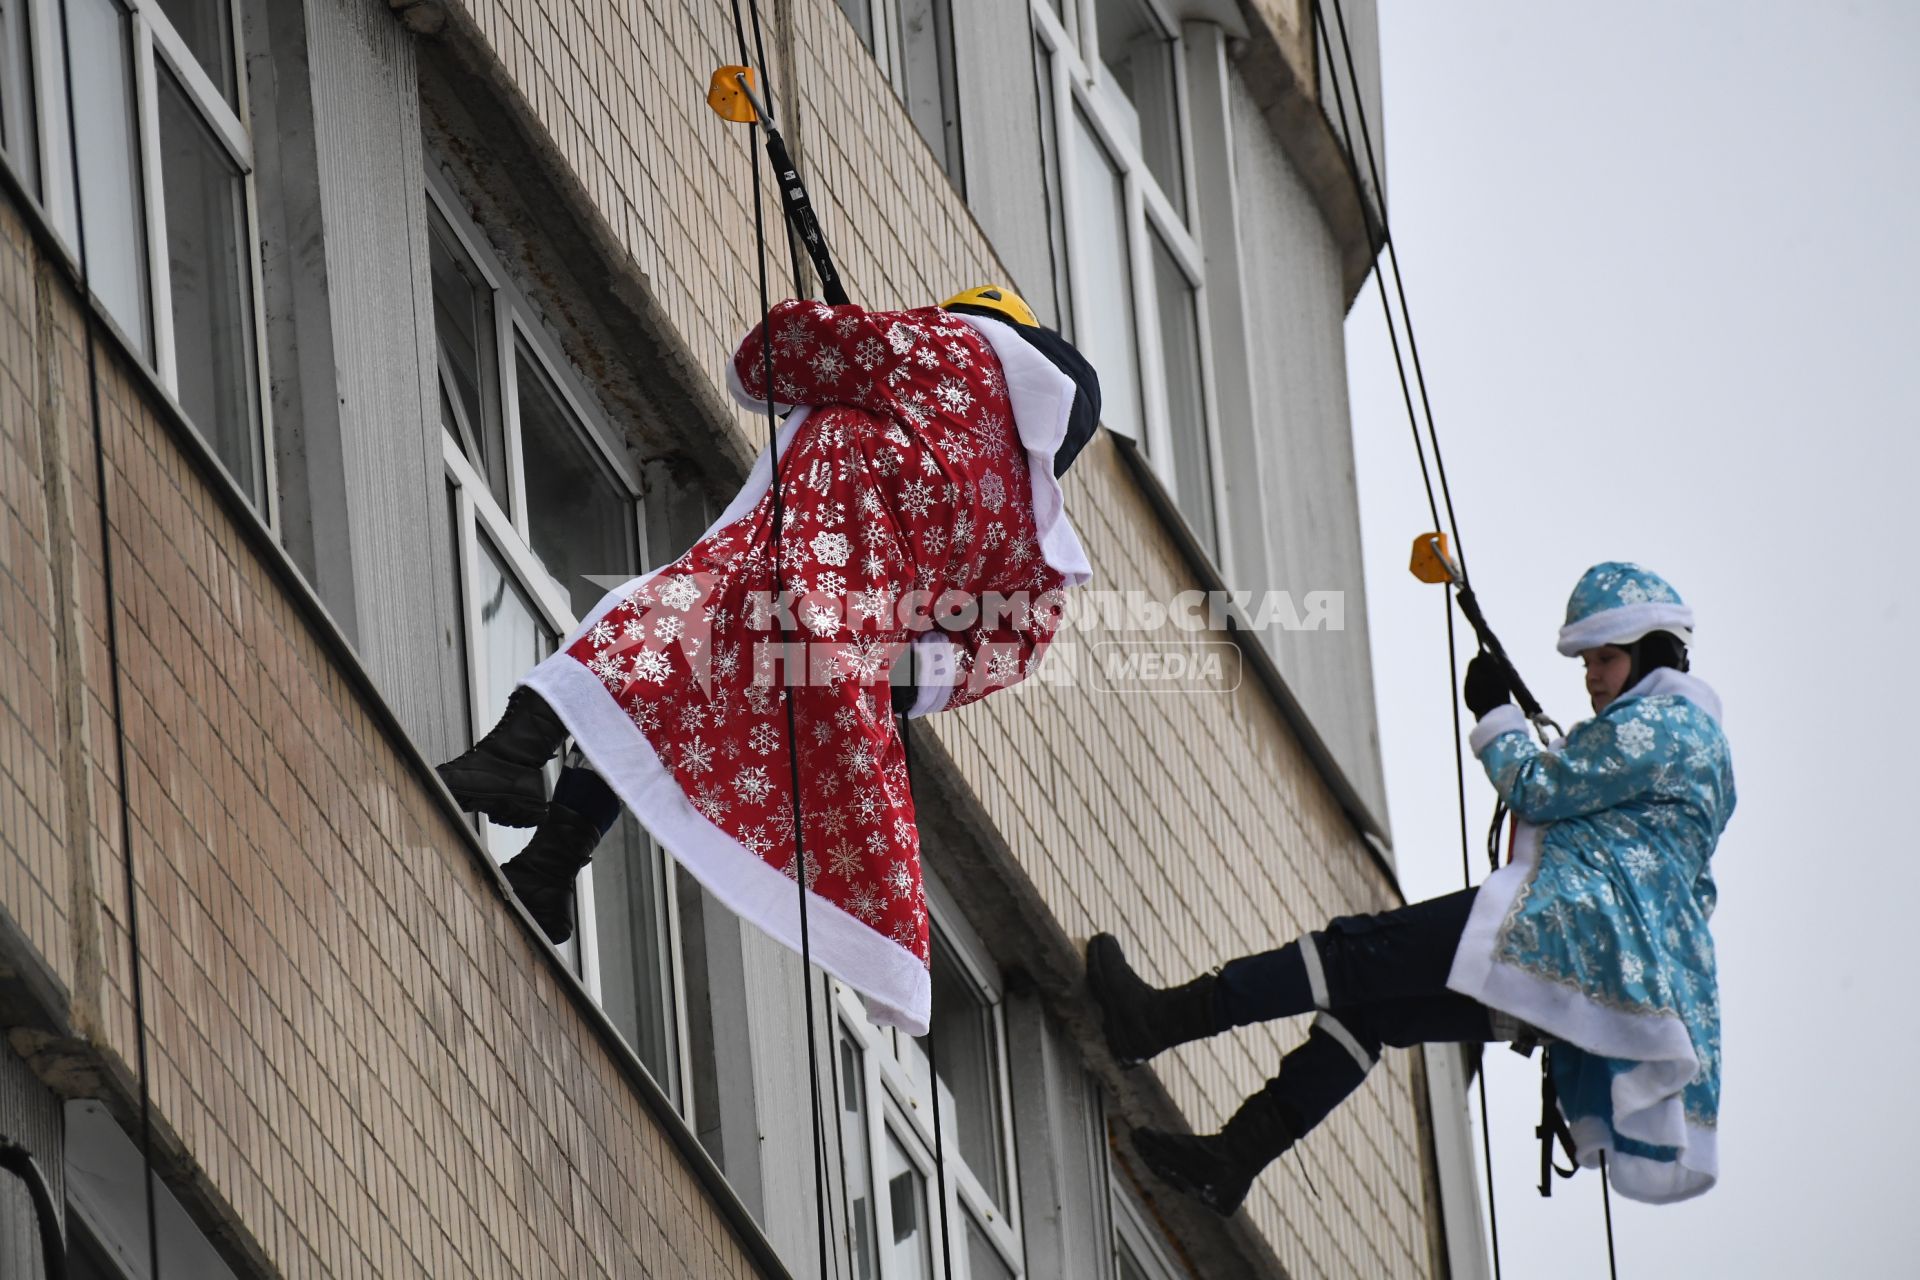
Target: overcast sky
x,y
1663,268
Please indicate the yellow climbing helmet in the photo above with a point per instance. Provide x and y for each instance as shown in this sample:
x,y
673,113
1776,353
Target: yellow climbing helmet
x,y
997,299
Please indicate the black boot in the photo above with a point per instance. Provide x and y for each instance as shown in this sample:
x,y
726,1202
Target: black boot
x,y
500,775
1141,1020
1218,1170
543,873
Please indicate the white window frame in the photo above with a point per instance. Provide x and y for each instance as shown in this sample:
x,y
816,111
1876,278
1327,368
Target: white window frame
x,y
883,19
897,1103
1132,1233
151,36
476,511
1081,79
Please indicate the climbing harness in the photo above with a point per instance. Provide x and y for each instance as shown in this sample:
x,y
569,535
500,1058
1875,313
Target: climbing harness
x,y
733,95
1431,561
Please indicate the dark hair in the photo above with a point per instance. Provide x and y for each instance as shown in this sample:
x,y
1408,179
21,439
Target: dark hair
x,y
1655,649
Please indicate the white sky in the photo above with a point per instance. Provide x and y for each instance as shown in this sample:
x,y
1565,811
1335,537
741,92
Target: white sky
x,y
1662,262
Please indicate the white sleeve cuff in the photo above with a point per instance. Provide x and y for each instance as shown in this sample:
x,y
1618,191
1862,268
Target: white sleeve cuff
x,y
1496,723
936,669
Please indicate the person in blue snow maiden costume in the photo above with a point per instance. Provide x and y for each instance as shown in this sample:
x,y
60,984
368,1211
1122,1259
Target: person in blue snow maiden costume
x,y
1593,938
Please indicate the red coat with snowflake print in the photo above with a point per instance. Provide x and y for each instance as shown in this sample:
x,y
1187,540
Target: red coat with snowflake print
x,y
907,513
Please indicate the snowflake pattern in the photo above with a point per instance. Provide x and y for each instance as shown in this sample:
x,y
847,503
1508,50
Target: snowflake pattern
x,y
909,453
1615,907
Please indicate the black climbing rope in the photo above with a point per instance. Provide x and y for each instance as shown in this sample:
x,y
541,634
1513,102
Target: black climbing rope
x,y
1432,438
800,868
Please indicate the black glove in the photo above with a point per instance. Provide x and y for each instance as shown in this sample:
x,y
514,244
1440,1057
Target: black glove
x,y
1485,686
904,696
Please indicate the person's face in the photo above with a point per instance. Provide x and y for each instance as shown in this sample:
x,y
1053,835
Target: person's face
x,y
1607,670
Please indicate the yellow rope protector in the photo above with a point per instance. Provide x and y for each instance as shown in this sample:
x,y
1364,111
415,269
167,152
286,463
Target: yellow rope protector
x,y
728,100
1431,560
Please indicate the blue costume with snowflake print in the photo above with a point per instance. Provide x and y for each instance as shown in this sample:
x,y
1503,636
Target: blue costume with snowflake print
x,y
1597,931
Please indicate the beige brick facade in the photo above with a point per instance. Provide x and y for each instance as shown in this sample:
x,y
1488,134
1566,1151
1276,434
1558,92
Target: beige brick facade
x,y
361,1063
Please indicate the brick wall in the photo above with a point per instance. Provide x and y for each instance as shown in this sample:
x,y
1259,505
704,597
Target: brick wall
x,y
361,1063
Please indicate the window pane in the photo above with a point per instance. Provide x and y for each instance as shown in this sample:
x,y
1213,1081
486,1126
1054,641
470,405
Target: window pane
x,y
16,94
454,628
579,519
207,28
1141,57
512,639
926,60
1104,323
1128,1267
909,1253
212,284
983,1260
1186,401
1055,203
856,1155
630,923
463,324
860,14
967,1044
110,191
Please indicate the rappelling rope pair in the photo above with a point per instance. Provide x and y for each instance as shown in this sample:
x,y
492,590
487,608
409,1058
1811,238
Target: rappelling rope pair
x,y
734,95
1431,563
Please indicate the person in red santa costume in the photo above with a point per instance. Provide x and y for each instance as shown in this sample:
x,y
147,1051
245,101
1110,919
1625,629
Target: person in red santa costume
x,y
922,535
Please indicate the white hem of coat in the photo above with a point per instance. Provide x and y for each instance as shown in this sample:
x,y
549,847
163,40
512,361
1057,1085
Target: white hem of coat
x,y
1645,1180
890,978
1646,1101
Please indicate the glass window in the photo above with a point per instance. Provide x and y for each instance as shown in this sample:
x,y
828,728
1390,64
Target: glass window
x,y
107,1207
580,521
454,627
860,14
110,188
855,1154
206,27
464,325
909,1250
1104,264
512,641
630,919
967,1045
17,137
210,272
983,1260
890,1071
1186,398
926,82
1140,56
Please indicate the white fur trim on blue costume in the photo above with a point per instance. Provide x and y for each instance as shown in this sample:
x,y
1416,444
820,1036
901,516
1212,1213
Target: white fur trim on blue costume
x,y
1624,625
